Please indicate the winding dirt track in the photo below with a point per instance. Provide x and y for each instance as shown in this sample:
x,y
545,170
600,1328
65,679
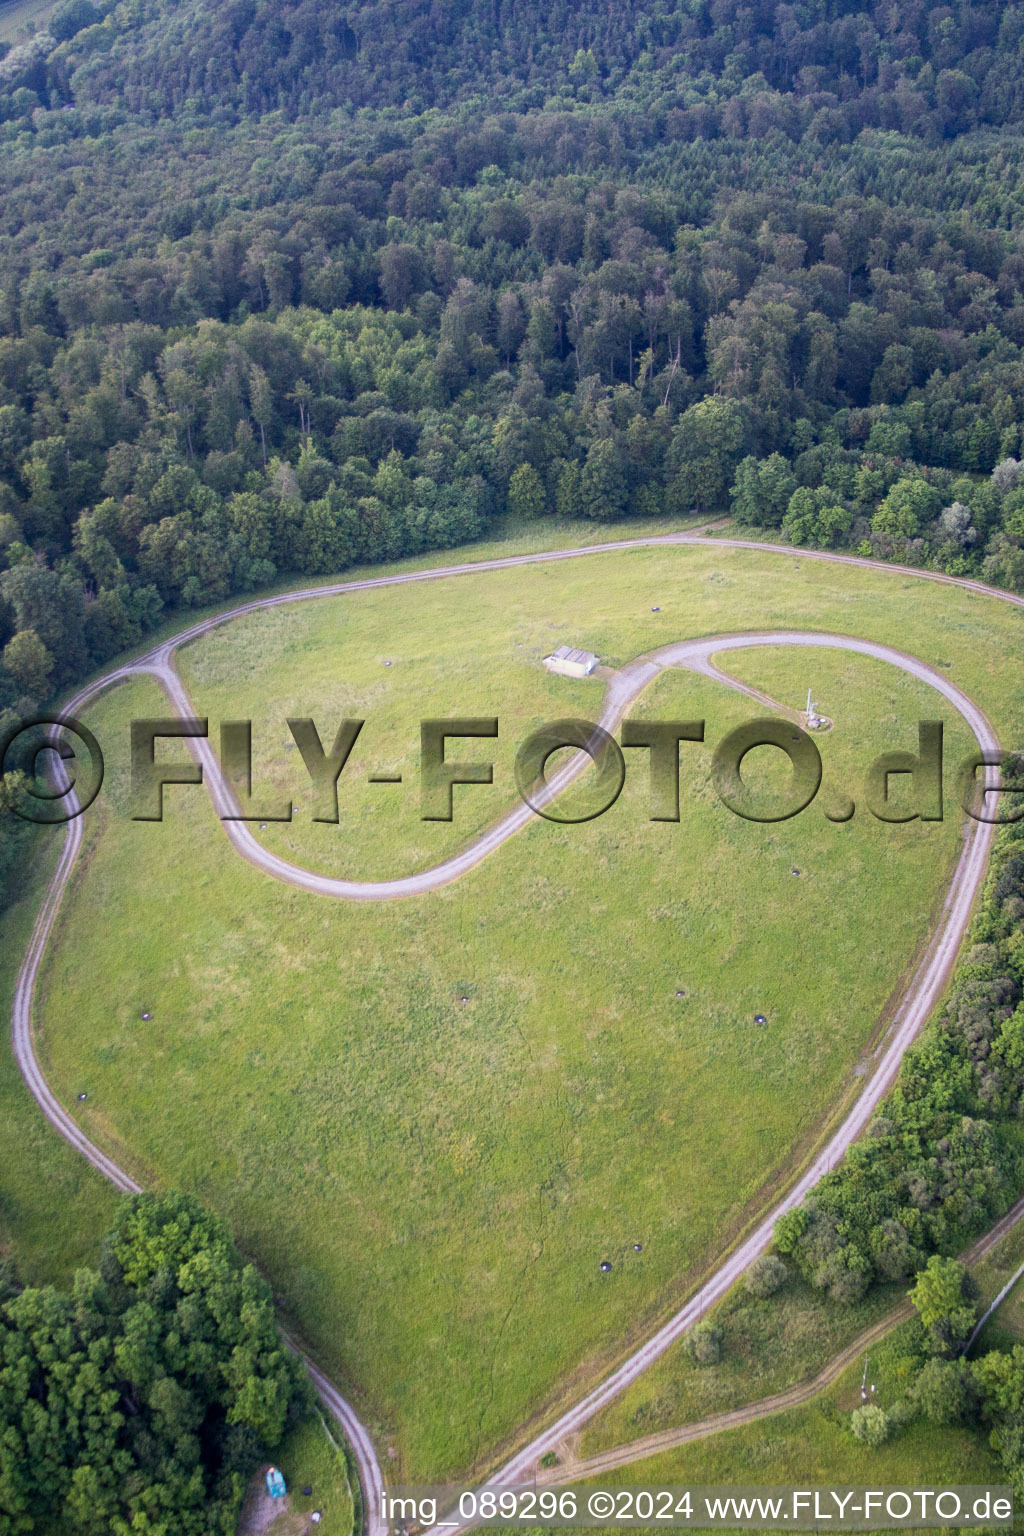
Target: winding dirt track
x,y
920,995
575,1469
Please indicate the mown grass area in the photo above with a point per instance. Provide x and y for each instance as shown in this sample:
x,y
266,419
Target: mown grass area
x,y
767,1345
431,1184
302,661
50,1237
309,1458
507,537
770,1345
337,659
473,646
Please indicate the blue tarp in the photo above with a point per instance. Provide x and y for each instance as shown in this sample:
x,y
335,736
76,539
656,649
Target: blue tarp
x,y
275,1484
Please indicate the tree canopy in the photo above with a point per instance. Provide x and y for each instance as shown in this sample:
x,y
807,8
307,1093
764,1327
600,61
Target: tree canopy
x,y
286,289
144,1400
941,1160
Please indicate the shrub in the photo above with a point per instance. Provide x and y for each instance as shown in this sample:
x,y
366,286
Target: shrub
x,y
704,1344
870,1424
765,1275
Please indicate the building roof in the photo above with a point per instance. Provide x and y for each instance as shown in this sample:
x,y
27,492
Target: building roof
x,y
567,653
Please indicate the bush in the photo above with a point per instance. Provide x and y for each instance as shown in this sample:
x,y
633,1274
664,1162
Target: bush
x,y
704,1344
526,498
765,1275
943,1391
870,1424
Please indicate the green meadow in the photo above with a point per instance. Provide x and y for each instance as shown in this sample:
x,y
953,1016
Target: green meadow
x,y
769,1344
54,1208
812,1447
17,16
431,1183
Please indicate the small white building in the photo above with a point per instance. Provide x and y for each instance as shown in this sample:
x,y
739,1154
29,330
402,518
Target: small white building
x,y
571,663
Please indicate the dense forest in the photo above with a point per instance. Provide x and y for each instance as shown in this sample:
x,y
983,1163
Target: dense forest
x,y
287,288
284,289
145,1399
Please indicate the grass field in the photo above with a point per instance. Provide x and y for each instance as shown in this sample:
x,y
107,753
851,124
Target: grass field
x,y
16,14
54,1209
767,1346
812,1446
431,1184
